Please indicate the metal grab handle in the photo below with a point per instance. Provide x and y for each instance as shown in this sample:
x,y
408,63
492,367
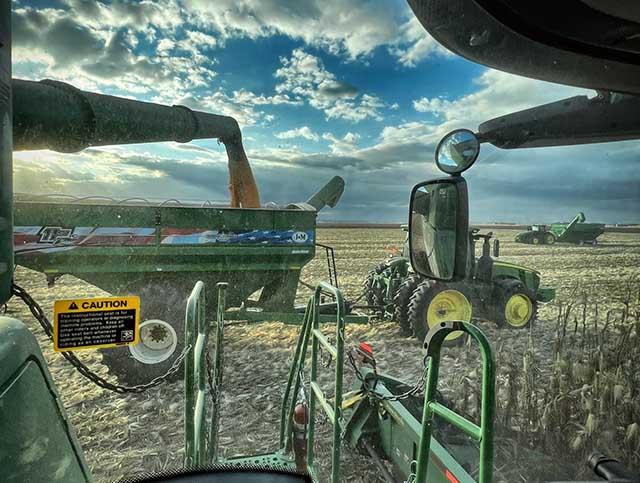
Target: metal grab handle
x,y
200,437
483,433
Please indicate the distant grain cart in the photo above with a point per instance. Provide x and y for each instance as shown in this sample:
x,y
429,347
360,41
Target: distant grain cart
x,y
576,231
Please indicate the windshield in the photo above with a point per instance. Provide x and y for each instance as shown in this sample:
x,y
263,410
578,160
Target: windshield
x,y
270,146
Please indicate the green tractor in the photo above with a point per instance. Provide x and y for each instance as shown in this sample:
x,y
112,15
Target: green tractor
x,y
576,231
503,292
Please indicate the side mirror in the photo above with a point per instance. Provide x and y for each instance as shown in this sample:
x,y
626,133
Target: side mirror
x,y
438,228
496,248
457,151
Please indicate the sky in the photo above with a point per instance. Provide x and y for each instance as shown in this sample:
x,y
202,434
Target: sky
x,y
354,88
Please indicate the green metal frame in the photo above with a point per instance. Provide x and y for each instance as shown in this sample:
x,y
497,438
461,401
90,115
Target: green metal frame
x,y
311,330
483,433
201,438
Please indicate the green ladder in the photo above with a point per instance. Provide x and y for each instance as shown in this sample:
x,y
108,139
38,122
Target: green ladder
x,y
483,433
311,331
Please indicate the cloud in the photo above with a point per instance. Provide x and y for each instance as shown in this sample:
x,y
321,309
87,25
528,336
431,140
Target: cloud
x,y
304,77
498,93
346,144
414,44
301,132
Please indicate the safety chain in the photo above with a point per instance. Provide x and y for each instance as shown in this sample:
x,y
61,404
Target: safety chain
x,y
40,316
416,390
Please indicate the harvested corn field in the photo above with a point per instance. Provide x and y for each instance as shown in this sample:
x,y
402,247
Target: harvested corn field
x,y
564,387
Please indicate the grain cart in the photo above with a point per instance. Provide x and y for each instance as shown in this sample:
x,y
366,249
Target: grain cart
x,y
576,231
158,251
503,292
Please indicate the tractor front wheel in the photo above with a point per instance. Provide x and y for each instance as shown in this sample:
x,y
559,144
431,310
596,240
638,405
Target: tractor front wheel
x,y
402,299
535,240
435,302
162,312
515,307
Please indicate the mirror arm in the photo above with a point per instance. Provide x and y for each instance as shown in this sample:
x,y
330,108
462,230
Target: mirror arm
x,y
576,120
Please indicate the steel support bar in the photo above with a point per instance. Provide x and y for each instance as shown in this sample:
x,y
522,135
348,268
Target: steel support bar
x,y
328,409
196,335
325,343
454,418
217,373
6,164
433,344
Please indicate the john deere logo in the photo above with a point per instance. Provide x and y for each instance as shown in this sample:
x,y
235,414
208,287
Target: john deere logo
x,y
73,306
300,237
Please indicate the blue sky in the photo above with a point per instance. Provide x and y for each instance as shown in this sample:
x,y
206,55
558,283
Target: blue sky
x,y
320,88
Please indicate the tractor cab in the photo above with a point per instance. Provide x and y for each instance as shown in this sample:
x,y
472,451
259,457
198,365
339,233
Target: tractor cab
x,y
482,267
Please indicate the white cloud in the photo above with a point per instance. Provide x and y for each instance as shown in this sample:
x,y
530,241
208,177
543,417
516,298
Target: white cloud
x,y
347,144
498,93
414,44
301,132
304,77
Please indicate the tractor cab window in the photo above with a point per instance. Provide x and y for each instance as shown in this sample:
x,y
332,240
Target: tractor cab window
x,y
433,223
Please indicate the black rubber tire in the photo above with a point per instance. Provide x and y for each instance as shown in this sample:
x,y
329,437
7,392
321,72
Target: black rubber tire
x,y
402,299
535,240
157,301
505,289
549,238
374,296
422,297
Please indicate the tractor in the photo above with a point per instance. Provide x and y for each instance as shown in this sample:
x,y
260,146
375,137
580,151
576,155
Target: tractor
x,y
502,292
576,231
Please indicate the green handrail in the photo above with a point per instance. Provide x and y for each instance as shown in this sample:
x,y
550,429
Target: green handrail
x,y
483,433
200,437
311,331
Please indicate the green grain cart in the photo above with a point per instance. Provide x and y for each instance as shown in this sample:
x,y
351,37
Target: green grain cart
x,y
576,231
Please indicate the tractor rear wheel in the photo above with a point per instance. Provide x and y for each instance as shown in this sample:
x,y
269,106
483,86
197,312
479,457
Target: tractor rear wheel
x,y
516,307
549,238
402,299
435,302
374,295
162,311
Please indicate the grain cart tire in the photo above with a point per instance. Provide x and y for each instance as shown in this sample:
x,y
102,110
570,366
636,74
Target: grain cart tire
x,y
435,302
516,307
401,302
549,238
162,311
374,295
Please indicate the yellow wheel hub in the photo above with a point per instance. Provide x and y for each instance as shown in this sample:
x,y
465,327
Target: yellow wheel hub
x,y
518,310
447,306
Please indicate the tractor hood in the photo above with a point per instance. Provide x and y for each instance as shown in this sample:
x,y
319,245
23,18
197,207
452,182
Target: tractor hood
x,y
513,266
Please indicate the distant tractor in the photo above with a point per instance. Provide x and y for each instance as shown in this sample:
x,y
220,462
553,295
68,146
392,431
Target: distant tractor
x,y
502,292
576,231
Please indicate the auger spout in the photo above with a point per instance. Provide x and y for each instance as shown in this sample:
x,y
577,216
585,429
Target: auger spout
x,y
57,116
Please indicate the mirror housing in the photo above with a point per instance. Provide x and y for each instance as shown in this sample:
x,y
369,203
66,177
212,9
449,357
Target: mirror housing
x,y
457,151
496,248
438,228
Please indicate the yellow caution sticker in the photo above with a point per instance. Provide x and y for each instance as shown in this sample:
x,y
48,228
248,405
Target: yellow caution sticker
x,y
99,322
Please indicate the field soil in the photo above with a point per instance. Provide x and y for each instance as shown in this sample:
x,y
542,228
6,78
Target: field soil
x,y
124,435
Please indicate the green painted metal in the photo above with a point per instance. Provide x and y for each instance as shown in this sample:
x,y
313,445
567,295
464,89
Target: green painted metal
x,y
483,433
397,427
37,440
310,331
200,435
218,370
335,412
293,318
122,269
6,146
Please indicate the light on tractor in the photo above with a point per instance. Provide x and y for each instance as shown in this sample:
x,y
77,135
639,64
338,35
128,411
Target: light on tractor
x,y
158,341
446,306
